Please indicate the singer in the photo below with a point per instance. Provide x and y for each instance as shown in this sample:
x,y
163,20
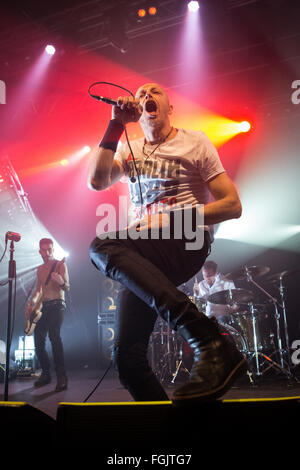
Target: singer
x,y
177,168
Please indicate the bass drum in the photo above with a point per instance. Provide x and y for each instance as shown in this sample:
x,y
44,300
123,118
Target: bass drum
x,y
254,327
226,330
234,336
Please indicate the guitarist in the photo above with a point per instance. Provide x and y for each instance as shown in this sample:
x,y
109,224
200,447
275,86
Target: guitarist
x,y
52,282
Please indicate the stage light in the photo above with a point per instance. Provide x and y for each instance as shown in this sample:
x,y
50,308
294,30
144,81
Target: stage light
x,y
219,129
50,49
72,159
76,156
152,11
193,6
142,13
59,252
244,126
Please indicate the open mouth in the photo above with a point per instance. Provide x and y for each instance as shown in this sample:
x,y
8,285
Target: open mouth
x,y
150,106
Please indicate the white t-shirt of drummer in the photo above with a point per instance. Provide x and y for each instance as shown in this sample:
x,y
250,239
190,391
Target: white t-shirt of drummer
x,y
174,175
205,290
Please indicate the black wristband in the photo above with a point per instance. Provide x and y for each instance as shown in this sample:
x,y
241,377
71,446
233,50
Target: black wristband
x,y
112,135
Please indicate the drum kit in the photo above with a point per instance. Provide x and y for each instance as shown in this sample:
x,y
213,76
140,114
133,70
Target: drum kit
x,y
258,328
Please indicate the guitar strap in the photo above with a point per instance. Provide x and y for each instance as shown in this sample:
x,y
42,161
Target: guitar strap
x,y
50,272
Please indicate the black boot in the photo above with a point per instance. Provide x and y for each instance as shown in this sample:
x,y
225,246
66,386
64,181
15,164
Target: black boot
x,y
217,362
44,379
62,382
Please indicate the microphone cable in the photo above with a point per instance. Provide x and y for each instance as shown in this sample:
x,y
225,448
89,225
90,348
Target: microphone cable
x,y
98,383
5,249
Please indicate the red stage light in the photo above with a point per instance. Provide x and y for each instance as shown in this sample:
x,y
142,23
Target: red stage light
x,y
152,11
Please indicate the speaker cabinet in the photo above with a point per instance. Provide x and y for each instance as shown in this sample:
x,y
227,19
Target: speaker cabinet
x,y
160,427
106,337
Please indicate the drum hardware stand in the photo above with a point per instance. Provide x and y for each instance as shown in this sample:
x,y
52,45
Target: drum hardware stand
x,y
158,366
180,365
249,373
282,367
167,357
282,296
177,356
170,353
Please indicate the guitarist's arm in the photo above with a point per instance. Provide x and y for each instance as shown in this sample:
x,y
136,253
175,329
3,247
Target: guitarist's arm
x,y
62,278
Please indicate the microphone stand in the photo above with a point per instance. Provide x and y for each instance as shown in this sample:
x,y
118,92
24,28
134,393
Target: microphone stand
x,y
11,278
287,341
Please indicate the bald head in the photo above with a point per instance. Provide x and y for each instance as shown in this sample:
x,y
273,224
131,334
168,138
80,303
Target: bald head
x,y
151,88
156,109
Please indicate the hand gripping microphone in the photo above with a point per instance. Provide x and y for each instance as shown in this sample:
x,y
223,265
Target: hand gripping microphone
x,y
115,103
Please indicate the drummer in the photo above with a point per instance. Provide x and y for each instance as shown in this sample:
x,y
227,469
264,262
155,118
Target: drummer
x,y
213,281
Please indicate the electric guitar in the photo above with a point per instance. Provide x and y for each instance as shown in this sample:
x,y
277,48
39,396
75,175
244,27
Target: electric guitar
x,y
36,309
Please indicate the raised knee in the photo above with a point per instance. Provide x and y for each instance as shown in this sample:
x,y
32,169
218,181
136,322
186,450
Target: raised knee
x,y
99,254
96,246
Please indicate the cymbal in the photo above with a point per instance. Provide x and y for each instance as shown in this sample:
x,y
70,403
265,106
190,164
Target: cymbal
x,y
254,271
281,275
226,297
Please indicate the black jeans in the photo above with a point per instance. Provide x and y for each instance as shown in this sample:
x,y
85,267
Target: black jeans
x,y
149,271
50,323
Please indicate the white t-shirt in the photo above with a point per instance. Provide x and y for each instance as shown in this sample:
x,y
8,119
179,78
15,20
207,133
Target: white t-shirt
x,y
174,175
205,290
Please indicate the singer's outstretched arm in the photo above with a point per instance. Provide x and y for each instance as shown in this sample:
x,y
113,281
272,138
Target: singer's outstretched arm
x,y
104,170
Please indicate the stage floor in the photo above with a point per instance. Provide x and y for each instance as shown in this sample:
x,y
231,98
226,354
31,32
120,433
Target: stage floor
x,y
83,381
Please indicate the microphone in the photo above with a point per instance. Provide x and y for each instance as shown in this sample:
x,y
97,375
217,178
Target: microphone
x,y
110,101
105,100
12,236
